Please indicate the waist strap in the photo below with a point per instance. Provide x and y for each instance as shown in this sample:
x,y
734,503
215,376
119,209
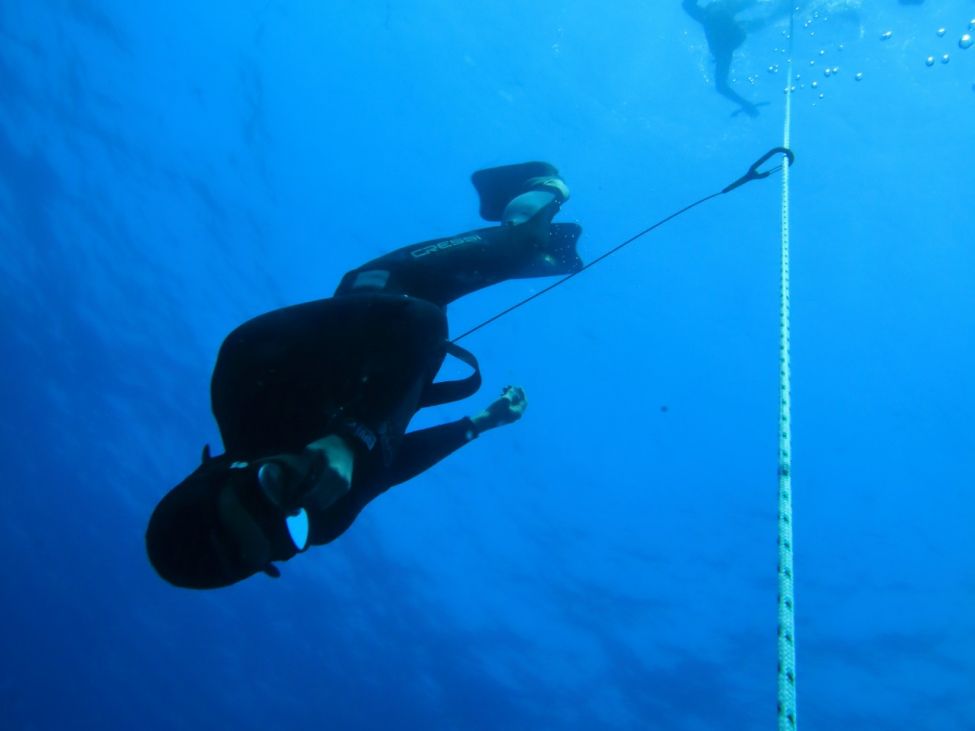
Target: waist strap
x,y
447,392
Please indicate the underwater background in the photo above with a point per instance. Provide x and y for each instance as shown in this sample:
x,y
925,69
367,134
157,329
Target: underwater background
x,y
169,170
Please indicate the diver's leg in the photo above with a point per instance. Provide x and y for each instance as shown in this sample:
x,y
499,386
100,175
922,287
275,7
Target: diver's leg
x,y
722,70
527,244
444,270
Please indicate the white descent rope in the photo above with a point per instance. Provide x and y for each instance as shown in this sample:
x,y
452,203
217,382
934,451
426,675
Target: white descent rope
x,y
786,625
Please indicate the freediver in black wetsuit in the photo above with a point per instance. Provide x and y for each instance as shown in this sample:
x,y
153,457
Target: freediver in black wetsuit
x,y
725,33
313,401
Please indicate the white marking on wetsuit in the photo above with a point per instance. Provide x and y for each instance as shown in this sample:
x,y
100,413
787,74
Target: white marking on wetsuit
x,y
443,245
373,279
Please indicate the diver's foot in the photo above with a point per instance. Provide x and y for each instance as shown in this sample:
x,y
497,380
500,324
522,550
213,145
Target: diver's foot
x,y
498,186
539,200
750,109
550,183
313,479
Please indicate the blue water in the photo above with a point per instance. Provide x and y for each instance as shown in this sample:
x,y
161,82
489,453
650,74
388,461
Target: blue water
x,y
168,170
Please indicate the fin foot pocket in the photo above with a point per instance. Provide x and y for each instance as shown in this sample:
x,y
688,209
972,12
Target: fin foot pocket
x,y
496,187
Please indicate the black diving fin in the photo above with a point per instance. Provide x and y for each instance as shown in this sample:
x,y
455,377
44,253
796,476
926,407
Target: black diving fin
x,y
496,187
558,256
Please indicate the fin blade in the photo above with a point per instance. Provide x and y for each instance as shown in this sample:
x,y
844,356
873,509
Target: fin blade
x,y
559,256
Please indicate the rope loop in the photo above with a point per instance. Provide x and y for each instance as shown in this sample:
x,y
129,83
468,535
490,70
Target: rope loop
x,y
755,174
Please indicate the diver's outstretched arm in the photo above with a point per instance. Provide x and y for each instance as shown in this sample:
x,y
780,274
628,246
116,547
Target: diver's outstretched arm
x,y
422,449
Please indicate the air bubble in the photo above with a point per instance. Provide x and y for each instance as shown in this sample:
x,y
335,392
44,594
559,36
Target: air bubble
x,y
814,85
886,35
822,51
773,69
946,58
929,61
836,70
941,32
828,72
859,76
822,95
965,41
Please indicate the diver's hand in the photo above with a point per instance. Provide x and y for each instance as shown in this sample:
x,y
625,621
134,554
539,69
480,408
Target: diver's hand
x,y
506,410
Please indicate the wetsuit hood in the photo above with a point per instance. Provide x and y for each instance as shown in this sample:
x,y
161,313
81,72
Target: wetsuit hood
x,y
190,541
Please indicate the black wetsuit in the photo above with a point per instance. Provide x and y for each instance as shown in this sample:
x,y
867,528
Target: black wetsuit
x,y
355,365
362,363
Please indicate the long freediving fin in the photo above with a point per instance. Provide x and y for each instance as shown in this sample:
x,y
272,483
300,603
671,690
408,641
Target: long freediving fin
x,y
559,255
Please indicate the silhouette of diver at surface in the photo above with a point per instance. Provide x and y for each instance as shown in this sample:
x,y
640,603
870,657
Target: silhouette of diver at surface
x,y
725,33
313,401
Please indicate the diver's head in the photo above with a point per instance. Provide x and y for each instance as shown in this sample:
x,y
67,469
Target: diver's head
x,y
215,529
